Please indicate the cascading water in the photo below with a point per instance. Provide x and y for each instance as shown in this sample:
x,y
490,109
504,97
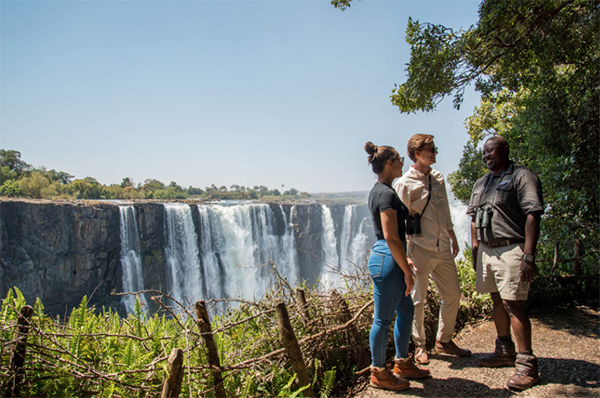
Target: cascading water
x,y
358,247
232,240
329,275
353,240
345,236
213,273
288,266
131,261
182,254
238,242
229,254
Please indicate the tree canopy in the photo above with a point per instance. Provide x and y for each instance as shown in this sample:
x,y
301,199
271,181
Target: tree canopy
x,y
19,179
536,65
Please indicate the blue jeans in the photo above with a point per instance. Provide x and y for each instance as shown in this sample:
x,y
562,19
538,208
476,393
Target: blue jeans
x,y
390,299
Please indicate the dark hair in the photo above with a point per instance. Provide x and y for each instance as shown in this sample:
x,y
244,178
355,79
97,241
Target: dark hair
x,y
416,143
379,155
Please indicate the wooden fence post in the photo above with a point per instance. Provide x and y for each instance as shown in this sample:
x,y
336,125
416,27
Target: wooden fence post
x,y
301,303
361,354
290,343
172,382
213,354
17,360
577,262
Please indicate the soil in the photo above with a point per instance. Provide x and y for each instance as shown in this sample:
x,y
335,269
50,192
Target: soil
x,y
564,340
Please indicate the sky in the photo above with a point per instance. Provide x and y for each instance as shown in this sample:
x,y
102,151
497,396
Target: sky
x,y
276,93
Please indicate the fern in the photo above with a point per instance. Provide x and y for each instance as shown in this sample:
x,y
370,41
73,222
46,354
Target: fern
x,y
317,366
328,382
248,387
129,356
20,299
286,392
39,308
298,391
7,312
109,391
138,311
82,310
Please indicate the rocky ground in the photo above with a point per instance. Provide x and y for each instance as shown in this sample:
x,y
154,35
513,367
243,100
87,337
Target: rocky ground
x,y
565,341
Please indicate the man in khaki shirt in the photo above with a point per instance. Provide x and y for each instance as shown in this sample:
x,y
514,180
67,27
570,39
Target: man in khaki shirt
x,y
433,248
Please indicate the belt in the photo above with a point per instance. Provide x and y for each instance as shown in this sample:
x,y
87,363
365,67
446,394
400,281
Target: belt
x,y
502,242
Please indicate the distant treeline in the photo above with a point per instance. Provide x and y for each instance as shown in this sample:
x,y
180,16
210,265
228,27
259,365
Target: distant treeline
x,y
19,179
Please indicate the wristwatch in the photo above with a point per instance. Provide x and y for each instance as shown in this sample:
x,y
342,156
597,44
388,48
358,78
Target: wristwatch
x,y
528,258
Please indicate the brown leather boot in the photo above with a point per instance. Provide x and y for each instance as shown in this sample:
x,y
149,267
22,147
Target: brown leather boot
x,y
526,372
450,348
504,355
386,380
407,369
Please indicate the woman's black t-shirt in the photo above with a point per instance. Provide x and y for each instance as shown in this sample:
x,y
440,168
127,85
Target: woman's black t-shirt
x,y
383,197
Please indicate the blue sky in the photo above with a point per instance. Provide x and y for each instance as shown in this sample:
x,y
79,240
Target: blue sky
x,y
226,92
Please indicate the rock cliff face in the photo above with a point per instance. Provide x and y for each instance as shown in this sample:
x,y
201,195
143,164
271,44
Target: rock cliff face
x,y
61,251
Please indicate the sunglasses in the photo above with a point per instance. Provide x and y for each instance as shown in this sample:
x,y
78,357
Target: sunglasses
x,y
432,149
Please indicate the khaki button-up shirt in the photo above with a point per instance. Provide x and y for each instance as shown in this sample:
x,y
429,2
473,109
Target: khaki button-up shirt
x,y
413,189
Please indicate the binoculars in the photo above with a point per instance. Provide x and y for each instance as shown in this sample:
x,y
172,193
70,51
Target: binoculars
x,y
413,224
483,217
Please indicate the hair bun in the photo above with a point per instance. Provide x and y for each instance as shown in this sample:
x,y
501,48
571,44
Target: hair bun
x,y
370,148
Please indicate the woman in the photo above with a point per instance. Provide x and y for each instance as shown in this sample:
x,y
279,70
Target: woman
x,y
433,247
392,275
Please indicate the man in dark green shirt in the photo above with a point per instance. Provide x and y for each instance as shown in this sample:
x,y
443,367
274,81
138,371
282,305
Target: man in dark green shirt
x,y
505,206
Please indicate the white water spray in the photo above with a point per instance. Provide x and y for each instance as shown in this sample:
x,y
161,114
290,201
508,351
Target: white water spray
x,y
131,261
329,276
182,254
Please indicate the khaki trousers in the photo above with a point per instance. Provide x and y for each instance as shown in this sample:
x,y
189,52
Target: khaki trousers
x,y
441,267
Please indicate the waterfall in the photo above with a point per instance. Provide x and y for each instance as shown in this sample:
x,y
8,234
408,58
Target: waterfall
x,y
358,247
346,234
131,261
353,239
182,254
329,244
233,243
213,281
289,265
237,243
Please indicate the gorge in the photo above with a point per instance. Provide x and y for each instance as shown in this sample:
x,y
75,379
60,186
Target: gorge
x,y
60,251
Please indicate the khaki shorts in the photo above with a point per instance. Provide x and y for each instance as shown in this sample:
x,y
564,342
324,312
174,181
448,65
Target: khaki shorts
x,y
498,270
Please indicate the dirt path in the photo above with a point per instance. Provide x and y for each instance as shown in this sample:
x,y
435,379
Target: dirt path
x,y
565,341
